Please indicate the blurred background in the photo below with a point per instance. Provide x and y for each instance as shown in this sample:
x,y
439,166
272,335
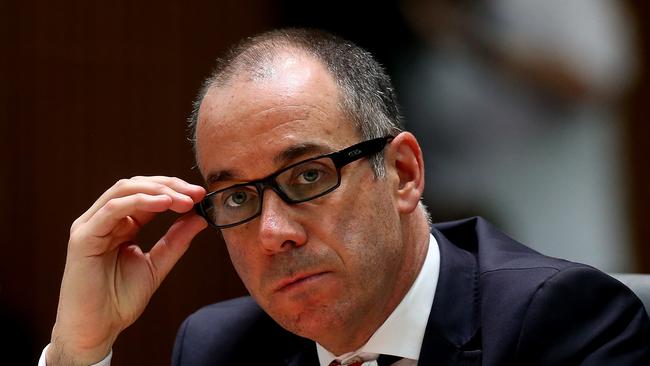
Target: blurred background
x,y
530,113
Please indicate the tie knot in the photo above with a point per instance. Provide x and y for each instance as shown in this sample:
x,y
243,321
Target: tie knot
x,y
354,361
383,360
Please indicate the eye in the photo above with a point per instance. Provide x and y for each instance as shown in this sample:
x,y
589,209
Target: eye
x,y
236,199
309,176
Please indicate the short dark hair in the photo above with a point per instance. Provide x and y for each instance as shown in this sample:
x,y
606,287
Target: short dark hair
x,y
367,95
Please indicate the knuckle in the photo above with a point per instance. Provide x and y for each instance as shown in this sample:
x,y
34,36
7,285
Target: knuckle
x,y
121,183
74,236
78,235
140,198
111,205
159,186
177,181
75,226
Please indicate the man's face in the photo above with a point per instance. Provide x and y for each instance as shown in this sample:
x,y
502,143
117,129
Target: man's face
x,y
320,266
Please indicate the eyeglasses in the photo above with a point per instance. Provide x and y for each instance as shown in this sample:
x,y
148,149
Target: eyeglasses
x,y
299,182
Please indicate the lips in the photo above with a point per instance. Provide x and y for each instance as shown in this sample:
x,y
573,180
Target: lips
x,y
292,282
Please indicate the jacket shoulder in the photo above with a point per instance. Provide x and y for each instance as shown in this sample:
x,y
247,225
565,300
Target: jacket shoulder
x,y
232,332
542,310
495,250
589,313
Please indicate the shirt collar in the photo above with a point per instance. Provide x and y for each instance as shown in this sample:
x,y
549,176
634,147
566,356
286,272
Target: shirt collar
x,y
403,331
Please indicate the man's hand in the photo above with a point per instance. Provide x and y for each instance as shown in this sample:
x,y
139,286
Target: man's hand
x,y
108,280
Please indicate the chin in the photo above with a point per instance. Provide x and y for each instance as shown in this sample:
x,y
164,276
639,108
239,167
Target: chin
x,y
309,320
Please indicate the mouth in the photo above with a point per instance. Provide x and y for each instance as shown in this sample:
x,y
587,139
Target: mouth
x,y
298,280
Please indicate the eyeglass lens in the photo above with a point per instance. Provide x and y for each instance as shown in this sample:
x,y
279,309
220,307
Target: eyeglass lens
x,y
298,183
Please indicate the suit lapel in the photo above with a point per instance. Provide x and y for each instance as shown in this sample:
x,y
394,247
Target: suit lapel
x,y
453,335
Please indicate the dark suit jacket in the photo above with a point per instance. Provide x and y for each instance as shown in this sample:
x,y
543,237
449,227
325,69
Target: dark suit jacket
x,y
497,303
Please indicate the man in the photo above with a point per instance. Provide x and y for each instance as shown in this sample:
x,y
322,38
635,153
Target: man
x,y
316,191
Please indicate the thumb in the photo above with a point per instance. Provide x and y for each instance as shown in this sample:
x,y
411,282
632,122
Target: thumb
x,y
171,247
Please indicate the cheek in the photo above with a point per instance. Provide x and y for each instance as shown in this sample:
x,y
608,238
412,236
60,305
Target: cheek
x,y
243,262
367,228
365,215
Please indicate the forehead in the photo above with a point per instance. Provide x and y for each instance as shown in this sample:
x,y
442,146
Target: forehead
x,y
246,124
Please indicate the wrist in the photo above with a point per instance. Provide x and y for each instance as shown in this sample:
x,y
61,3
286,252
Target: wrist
x,y
62,354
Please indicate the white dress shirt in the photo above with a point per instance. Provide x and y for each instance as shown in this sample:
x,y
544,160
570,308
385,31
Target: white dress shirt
x,y
403,331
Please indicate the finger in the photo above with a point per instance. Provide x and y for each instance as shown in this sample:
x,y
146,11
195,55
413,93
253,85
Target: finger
x,y
116,223
176,188
112,214
196,192
169,249
128,228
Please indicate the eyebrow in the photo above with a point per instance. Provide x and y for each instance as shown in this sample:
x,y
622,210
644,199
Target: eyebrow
x,y
284,157
221,175
294,152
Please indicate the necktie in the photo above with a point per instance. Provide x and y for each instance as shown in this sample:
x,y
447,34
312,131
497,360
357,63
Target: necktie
x,y
383,360
353,363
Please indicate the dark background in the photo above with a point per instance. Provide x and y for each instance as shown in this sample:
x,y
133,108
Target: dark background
x,y
91,92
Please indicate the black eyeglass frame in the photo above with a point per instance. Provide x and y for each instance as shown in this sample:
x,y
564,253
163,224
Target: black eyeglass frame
x,y
340,158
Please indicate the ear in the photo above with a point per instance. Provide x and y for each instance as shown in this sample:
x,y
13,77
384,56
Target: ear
x,y
405,158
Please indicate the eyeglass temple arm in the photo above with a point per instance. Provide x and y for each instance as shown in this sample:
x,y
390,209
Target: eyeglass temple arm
x,y
360,150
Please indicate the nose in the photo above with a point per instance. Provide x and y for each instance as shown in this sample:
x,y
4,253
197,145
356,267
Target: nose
x,y
278,230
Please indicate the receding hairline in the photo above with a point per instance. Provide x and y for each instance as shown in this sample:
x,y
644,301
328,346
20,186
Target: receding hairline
x,y
259,62
265,70
253,55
